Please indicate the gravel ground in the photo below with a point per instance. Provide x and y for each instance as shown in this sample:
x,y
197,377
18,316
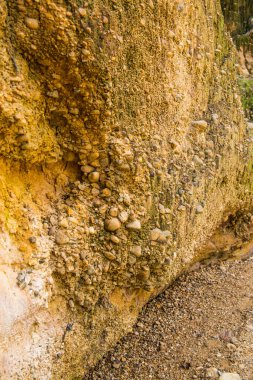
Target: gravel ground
x,y
199,328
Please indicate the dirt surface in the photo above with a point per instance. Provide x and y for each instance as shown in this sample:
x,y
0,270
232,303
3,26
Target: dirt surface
x,y
201,325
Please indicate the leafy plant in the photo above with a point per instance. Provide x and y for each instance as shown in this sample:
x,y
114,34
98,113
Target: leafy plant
x,y
246,87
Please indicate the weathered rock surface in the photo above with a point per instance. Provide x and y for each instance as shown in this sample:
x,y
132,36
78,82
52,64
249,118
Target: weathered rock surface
x,y
107,114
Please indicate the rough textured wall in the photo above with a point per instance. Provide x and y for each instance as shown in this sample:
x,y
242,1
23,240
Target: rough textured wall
x,y
123,149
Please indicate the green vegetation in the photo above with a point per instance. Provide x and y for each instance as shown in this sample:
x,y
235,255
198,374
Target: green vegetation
x,y
246,87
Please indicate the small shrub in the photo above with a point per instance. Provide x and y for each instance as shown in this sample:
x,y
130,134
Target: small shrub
x,y
246,87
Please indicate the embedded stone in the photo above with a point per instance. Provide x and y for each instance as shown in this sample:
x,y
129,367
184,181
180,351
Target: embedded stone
x,y
110,256
123,216
82,12
87,169
135,225
200,125
113,211
32,23
112,224
212,373
64,223
229,376
106,193
155,234
93,177
115,239
160,236
199,209
93,156
61,237
136,250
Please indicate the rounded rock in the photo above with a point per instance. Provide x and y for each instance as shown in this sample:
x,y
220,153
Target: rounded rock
x,y
110,256
87,169
82,12
113,211
112,224
115,239
93,177
61,237
199,209
32,23
106,193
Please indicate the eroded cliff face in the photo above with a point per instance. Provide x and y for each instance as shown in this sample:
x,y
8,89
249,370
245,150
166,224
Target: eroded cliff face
x,y
123,150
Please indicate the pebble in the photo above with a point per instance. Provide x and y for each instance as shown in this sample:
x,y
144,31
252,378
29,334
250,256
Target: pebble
x,y
32,23
199,209
95,192
135,225
112,224
158,235
229,376
53,220
155,233
113,211
61,237
110,256
132,260
126,199
215,118
94,177
91,230
136,250
63,223
161,208
82,12
212,373
123,216
109,184
93,156
115,239
87,169
103,209
201,125
21,277
106,193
